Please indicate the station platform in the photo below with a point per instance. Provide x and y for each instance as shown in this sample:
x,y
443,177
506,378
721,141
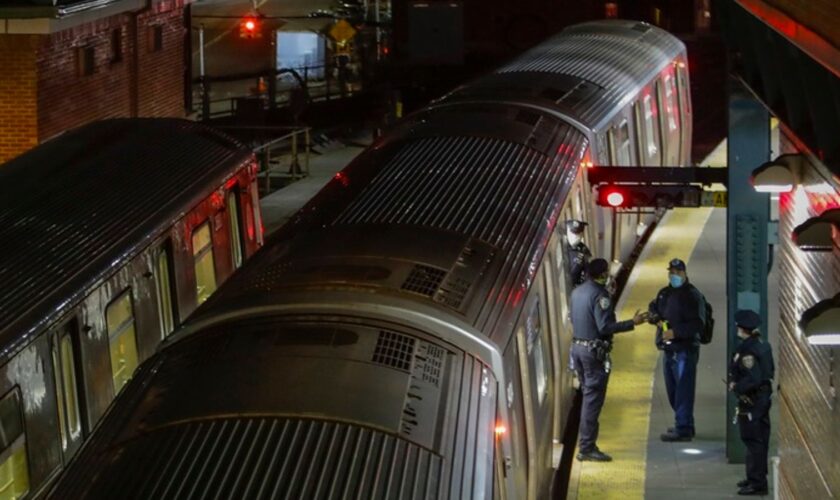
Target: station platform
x,y
637,411
280,205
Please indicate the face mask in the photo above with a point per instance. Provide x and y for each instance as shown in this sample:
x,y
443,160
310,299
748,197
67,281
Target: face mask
x,y
573,238
676,280
601,281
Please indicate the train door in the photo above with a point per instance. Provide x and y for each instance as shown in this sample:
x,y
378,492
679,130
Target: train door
x,y
557,308
619,142
537,390
513,466
666,92
68,392
235,227
684,100
164,289
647,128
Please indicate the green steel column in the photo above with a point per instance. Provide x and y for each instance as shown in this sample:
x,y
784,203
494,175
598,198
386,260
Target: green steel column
x,y
748,215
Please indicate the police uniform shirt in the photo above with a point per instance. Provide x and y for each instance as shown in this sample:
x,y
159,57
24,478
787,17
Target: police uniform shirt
x,y
752,366
578,257
592,313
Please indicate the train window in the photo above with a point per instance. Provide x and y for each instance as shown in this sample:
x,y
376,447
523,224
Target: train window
x,y
64,365
14,466
536,351
235,232
650,123
163,282
119,316
611,145
205,270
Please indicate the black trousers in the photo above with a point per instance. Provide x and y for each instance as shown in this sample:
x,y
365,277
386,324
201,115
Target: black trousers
x,y
593,383
755,433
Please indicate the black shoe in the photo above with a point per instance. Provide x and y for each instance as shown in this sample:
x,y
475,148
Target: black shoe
x,y
595,455
673,436
743,483
752,490
673,430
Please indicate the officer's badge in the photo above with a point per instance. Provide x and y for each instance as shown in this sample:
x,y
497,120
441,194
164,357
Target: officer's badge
x,y
604,302
748,361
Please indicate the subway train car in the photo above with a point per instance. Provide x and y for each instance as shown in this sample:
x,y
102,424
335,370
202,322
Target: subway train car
x,y
112,234
406,334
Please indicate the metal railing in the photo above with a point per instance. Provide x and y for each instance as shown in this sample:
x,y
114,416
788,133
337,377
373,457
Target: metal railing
x,y
288,143
274,88
285,156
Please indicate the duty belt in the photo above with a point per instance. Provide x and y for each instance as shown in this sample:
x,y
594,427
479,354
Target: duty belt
x,y
590,343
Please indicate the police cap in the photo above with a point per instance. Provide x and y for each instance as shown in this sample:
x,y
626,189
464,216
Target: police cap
x,y
677,264
597,267
575,226
747,319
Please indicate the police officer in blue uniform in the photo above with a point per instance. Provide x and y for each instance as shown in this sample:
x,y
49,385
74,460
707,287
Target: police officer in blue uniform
x,y
750,373
594,323
577,253
679,311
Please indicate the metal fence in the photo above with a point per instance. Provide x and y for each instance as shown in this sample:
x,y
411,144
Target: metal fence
x,y
222,96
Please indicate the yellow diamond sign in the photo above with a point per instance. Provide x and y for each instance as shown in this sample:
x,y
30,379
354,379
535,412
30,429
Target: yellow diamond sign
x,y
342,31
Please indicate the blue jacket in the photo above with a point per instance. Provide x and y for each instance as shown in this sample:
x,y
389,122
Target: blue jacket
x,y
592,313
684,309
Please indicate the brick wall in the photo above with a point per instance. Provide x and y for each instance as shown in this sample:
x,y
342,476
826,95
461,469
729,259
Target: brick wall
x,y
18,123
161,74
68,99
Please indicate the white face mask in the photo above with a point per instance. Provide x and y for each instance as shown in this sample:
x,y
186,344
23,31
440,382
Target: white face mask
x,y
573,238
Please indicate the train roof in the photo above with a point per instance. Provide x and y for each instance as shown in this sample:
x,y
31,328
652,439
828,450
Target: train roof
x,y
587,71
78,207
457,203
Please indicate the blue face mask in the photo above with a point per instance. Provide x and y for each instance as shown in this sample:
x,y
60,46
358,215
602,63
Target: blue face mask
x,y
676,280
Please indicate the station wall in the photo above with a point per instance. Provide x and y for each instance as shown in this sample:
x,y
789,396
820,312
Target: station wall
x,y
124,65
809,427
818,15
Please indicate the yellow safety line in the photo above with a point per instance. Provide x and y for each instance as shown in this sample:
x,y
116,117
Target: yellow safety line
x,y
625,418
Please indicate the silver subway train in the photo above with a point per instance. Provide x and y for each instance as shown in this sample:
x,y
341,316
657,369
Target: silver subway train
x,y
405,335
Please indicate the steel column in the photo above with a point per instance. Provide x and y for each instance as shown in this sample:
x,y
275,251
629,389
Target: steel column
x,y
748,216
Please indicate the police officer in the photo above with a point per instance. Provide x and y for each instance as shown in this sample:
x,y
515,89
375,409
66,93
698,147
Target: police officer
x,y
750,373
594,323
577,253
679,310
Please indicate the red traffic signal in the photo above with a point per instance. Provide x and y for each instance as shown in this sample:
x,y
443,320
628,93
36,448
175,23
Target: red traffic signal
x,y
615,199
250,27
648,195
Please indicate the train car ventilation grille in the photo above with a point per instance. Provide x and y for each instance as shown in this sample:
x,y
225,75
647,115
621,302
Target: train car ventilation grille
x,y
424,280
433,366
453,292
394,350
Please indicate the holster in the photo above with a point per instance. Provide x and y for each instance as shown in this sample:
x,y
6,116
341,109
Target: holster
x,y
601,349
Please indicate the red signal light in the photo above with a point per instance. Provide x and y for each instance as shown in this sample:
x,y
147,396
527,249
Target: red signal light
x,y
249,27
615,199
